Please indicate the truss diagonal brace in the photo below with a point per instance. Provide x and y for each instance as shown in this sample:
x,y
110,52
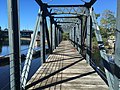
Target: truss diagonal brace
x,y
27,64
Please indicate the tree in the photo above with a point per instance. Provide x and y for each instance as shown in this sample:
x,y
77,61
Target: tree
x,y
65,36
108,20
97,16
0,28
0,33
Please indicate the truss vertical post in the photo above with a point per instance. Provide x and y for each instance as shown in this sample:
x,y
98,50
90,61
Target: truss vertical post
x,y
70,34
57,36
84,23
54,36
74,35
81,43
88,38
47,34
77,36
60,35
14,44
51,35
42,34
117,49
80,34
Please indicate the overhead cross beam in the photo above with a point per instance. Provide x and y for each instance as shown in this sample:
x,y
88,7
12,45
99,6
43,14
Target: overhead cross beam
x,y
87,4
50,6
65,9
67,22
68,16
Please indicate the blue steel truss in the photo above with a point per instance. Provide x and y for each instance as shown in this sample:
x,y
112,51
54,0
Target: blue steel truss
x,y
81,22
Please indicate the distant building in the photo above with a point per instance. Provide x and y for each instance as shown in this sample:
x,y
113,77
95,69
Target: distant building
x,y
111,41
24,33
5,29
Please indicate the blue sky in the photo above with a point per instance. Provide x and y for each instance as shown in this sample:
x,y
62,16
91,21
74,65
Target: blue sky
x,y
29,9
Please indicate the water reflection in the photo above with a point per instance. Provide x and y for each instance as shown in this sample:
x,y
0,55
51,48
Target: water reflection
x,y
5,72
4,55
4,47
5,68
4,51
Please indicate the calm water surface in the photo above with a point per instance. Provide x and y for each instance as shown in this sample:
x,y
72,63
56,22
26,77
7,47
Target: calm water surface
x,y
5,69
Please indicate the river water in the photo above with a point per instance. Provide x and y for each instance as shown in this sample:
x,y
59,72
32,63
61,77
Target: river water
x,y
5,69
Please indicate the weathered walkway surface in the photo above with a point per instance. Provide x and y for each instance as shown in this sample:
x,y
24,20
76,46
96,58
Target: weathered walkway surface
x,y
65,69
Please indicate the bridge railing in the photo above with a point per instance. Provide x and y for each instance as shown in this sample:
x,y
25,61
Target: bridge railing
x,y
80,34
95,53
18,77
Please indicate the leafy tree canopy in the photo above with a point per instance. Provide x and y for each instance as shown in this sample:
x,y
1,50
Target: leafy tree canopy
x,y
108,20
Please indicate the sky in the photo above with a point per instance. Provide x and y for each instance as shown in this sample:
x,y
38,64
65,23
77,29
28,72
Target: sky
x,y
28,10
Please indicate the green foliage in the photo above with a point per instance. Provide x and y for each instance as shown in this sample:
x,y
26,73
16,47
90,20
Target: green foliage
x,y
103,32
0,28
108,24
65,36
97,15
108,20
0,33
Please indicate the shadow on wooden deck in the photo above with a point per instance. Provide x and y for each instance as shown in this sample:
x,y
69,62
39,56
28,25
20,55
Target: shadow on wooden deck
x,y
58,82
65,69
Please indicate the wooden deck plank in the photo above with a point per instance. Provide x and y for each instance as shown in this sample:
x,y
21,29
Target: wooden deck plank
x,y
66,69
